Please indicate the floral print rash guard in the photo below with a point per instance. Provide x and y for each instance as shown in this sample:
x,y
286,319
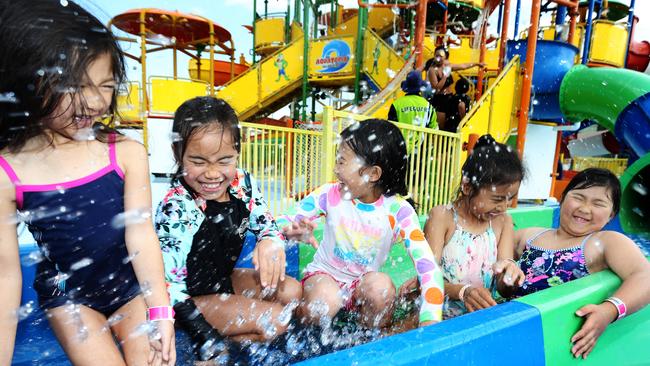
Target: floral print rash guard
x,y
180,215
358,237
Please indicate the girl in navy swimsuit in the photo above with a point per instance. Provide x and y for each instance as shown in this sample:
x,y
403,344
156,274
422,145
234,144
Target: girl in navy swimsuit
x,y
579,247
82,189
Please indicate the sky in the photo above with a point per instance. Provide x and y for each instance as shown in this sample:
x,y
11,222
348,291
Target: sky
x,y
233,14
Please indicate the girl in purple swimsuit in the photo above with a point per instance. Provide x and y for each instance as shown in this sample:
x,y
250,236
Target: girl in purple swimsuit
x,y
82,189
578,247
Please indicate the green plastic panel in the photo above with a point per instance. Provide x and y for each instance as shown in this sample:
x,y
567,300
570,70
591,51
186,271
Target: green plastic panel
x,y
635,183
624,342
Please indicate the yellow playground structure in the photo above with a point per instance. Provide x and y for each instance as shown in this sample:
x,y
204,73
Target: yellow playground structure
x,y
327,65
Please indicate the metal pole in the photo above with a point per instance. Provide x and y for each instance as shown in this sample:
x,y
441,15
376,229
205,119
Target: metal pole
x,y
585,52
504,34
211,59
143,65
358,53
573,13
516,36
560,14
630,24
254,21
500,17
528,76
420,28
481,59
305,58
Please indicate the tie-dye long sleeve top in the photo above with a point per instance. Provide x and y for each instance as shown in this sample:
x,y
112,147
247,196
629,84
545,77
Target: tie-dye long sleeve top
x,y
358,237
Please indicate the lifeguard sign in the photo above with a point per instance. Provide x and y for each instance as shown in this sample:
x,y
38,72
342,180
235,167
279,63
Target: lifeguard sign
x,y
331,57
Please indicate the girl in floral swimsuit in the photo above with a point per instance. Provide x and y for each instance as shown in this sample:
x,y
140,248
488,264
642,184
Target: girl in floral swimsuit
x,y
473,236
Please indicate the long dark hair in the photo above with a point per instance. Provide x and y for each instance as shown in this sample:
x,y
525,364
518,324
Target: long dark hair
x,y
597,177
197,114
47,47
379,142
490,164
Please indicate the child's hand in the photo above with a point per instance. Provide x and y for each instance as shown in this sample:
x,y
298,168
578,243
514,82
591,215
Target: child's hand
x,y
477,298
163,344
302,231
597,318
408,287
512,275
269,260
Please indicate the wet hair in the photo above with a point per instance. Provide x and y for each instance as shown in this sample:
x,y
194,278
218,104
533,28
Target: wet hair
x,y
462,86
597,177
490,164
47,48
442,48
379,142
199,114
430,62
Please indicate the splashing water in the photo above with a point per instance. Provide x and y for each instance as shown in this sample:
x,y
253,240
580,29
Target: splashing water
x,y
135,216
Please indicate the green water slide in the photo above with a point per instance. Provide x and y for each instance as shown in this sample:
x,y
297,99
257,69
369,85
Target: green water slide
x,y
619,100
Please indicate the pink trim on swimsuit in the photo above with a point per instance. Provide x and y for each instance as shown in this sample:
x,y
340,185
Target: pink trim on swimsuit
x,y
21,188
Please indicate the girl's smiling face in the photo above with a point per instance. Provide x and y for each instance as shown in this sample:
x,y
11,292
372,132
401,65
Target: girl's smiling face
x,y
491,202
90,101
584,211
210,163
356,178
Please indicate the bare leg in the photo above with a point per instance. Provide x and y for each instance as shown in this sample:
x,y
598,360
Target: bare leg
x,y
243,318
376,296
84,336
135,344
321,297
246,281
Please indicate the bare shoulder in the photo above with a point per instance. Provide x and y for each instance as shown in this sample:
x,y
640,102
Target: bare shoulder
x,y
7,189
131,153
608,237
440,216
522,235
501,221
129,147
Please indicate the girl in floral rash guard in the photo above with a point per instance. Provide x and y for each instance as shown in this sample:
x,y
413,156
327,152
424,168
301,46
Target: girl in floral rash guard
x,y
202,223
365,214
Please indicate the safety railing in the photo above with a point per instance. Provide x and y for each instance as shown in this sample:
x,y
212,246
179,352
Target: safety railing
x,y
615,165
288,163
284,161
495,111
433,164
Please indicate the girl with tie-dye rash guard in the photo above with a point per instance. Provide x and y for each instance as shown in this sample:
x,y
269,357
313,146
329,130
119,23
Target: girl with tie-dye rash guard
x,y
365,214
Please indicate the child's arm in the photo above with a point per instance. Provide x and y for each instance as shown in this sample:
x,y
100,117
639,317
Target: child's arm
x,y
508,274
625,259
10,275
268,255
429,274
300,225
141,241
439,222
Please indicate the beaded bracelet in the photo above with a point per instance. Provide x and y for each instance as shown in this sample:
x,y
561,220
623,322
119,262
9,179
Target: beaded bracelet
x,y
160,313
619,304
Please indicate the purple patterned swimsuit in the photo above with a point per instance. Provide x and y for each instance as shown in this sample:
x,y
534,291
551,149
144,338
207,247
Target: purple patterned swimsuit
x,y
545,268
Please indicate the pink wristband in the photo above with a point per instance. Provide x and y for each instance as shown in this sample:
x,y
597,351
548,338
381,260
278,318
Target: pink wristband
x,y
619,304
161,313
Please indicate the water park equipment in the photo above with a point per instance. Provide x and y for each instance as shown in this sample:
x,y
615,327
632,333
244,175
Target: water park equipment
x,y
542,322
617,99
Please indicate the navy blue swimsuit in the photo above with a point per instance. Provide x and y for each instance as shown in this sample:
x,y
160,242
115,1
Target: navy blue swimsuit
x,y
85,260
